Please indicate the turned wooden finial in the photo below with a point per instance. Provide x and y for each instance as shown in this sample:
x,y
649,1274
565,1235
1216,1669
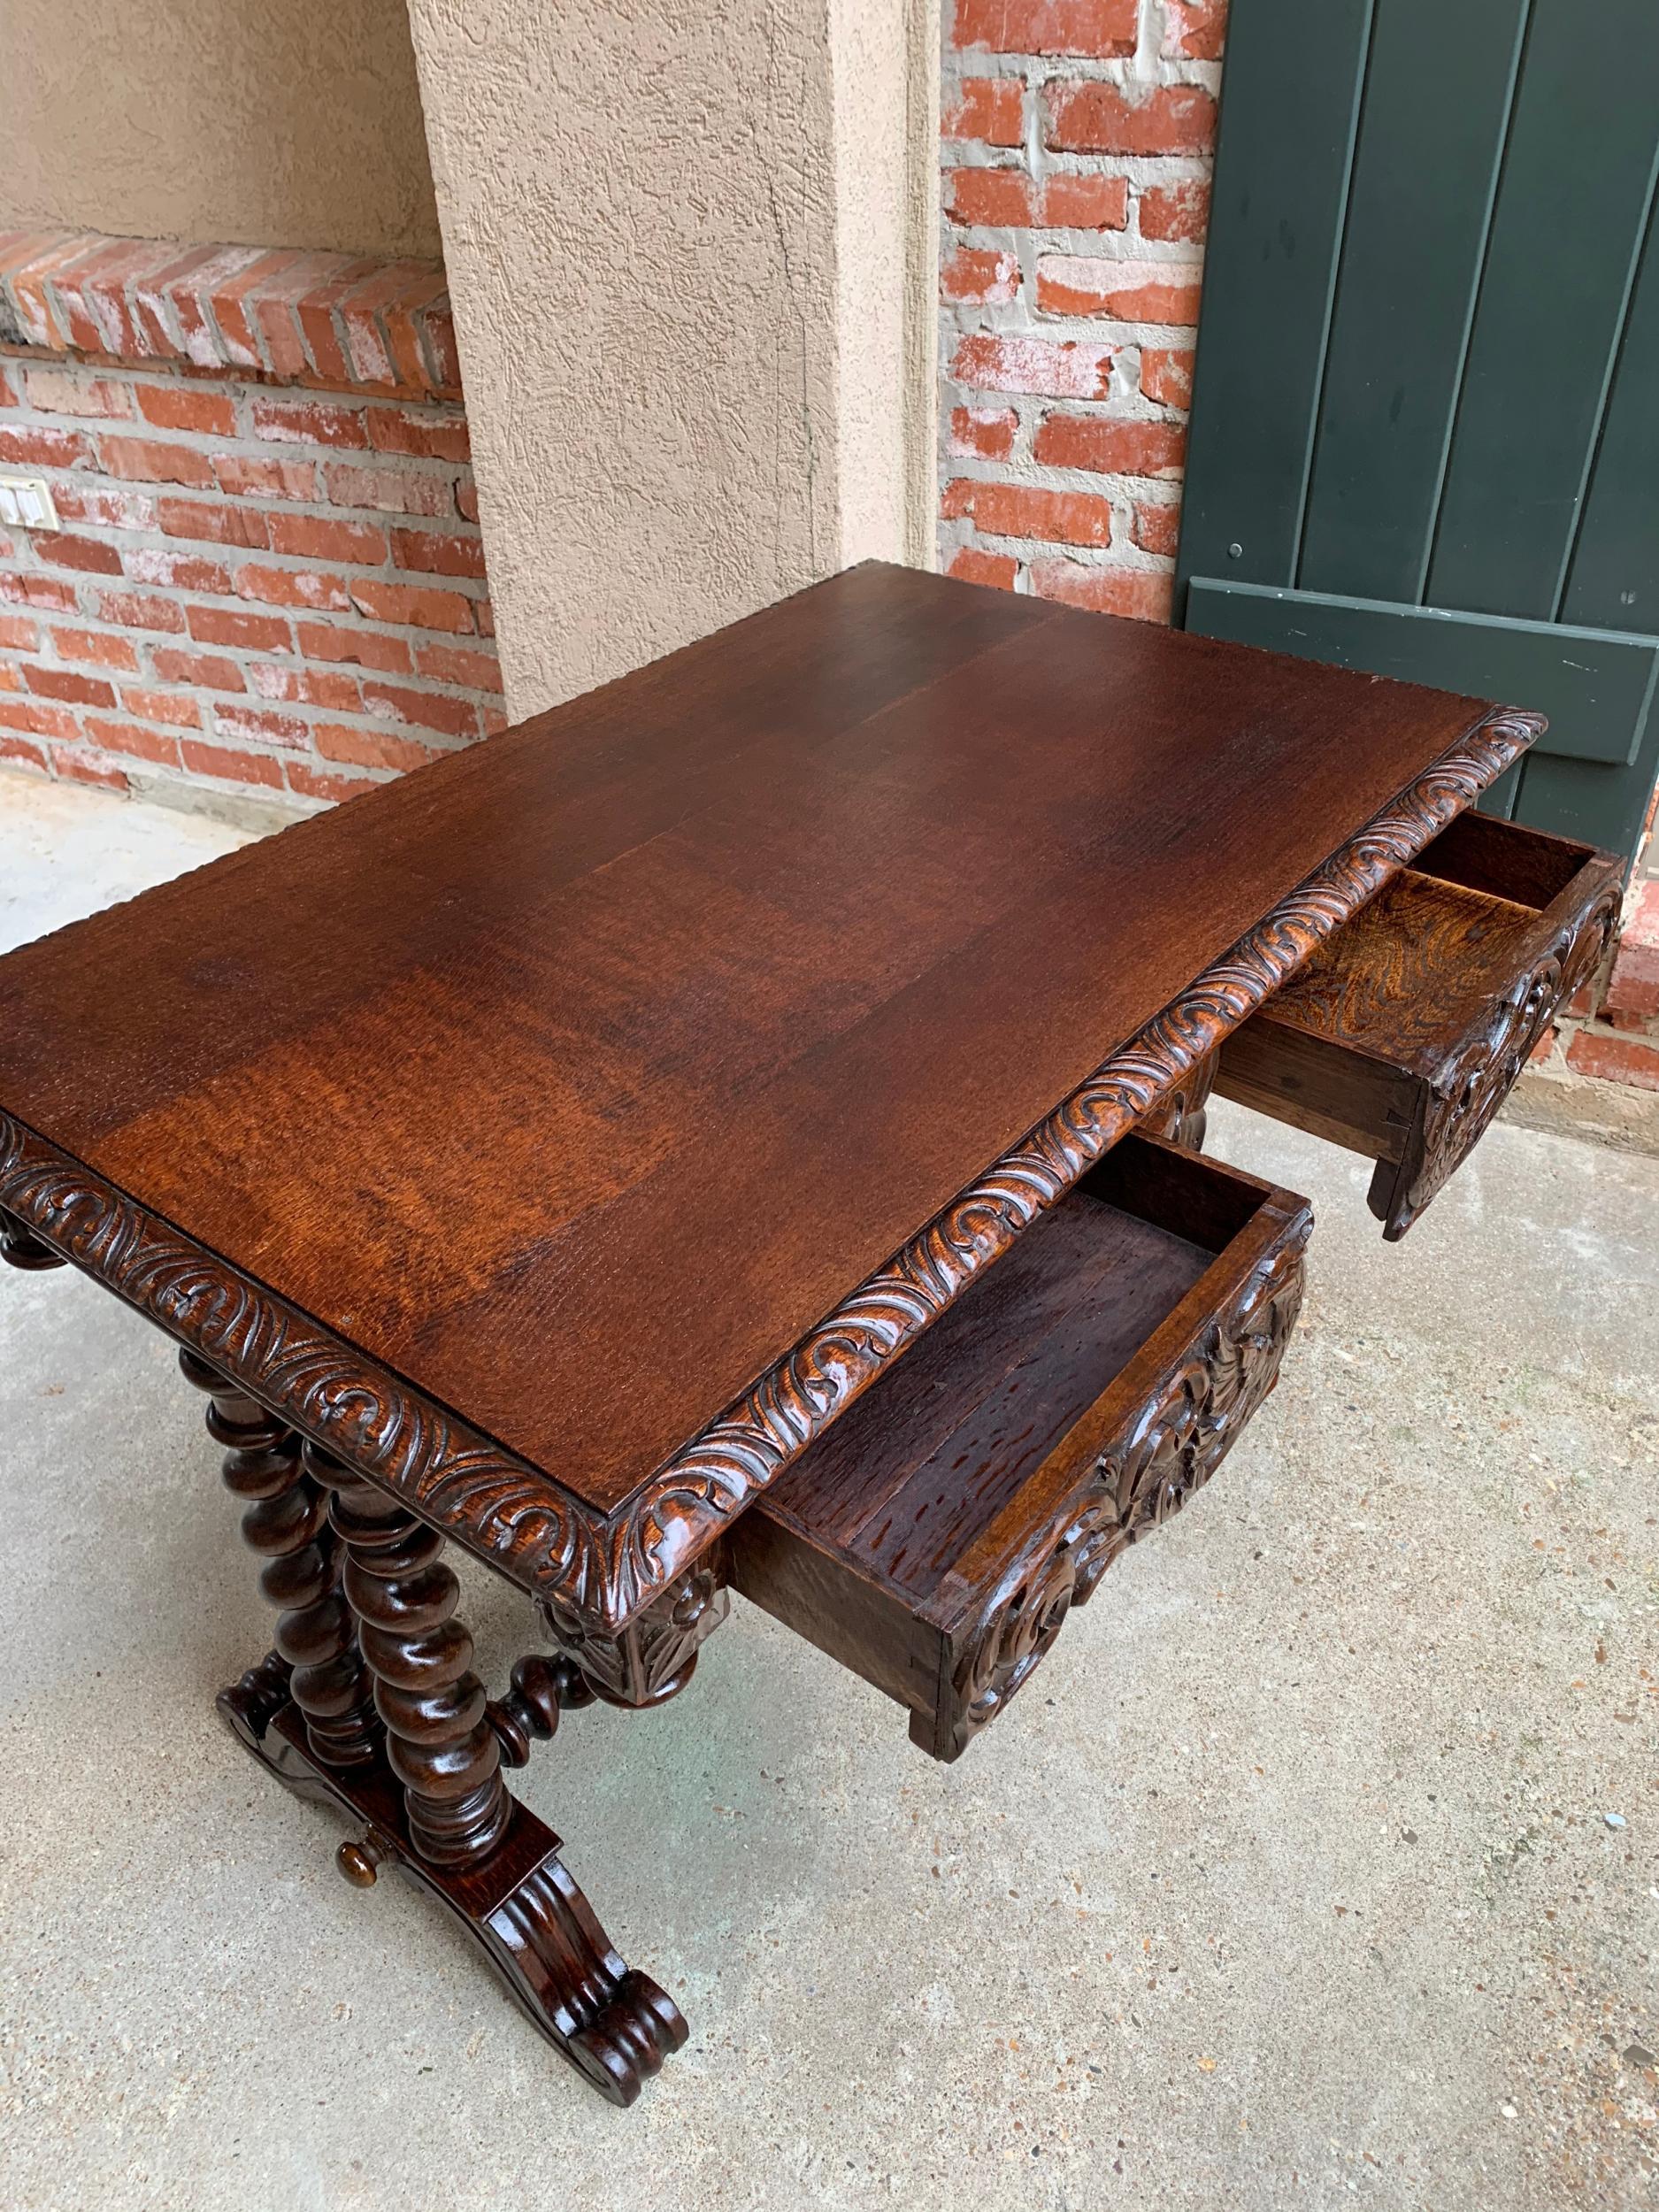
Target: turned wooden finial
x,y
541,1687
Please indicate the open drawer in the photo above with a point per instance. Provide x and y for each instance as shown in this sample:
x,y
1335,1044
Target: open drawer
x,y
1075,1396
1406,1031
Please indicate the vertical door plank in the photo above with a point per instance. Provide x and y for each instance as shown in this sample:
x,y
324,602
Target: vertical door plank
x,y
1571,207
1289,106
1425,174
1430,337
1614,580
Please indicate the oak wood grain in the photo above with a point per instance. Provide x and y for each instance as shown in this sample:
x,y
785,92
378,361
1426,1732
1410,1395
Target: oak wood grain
x,y
1406,1030
578,1076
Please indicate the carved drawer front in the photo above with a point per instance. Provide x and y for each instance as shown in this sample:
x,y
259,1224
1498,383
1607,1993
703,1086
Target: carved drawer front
x,y
1406,1031
1077,1395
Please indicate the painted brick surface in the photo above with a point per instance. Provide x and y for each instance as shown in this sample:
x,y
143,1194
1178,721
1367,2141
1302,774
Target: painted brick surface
x,y
320,318
1075,158
267,575
1610,1030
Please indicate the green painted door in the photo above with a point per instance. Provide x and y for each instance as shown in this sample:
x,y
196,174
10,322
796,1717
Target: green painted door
x,y
1425,421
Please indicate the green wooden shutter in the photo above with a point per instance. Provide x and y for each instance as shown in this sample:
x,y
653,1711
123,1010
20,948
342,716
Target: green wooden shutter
x,y
1425,420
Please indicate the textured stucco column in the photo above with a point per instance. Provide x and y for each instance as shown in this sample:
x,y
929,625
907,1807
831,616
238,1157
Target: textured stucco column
x,y
687,249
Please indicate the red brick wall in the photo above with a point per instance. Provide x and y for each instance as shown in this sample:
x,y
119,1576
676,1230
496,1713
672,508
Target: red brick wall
x,y
1611,1029
268,576
1076,165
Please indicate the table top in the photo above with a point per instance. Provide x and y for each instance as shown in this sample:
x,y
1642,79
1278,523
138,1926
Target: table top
x,y
560,1131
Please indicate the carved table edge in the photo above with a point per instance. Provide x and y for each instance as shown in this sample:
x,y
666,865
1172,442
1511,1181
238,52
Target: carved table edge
x,y
518,1519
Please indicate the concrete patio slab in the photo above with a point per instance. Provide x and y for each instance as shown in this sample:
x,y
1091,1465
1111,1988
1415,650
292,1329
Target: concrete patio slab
x,y
1316,1867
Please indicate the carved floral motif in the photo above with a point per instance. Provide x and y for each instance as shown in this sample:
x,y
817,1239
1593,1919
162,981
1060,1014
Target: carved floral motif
x,y
519,1518
1170,1449
1474,1082
654,1657
1181,1115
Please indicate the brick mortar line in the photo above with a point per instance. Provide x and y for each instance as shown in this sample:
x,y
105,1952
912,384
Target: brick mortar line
x,y
1053,240
136,537
1037,72
139,534
255,747
344,621
130,764
251,700
235,383
138,425
188,377
137,773
379,724
188,595
266,505
1144,170
207,445
307,711
1112,330
1124,557
1108,410
211,696
1055,476
53,618
231,447
151,538
50,620
328,565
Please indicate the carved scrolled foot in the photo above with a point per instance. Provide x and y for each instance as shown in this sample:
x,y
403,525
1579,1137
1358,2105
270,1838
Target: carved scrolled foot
x,y
376,1604
249,1706
21,1248
614,2025
536,1930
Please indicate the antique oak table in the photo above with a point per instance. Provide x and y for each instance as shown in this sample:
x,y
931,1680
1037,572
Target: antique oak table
x,y
688,1142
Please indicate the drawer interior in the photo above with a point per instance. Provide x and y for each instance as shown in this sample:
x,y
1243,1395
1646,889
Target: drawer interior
x,y
1410,969
1483,852
913,1474
1405,1032
896,1529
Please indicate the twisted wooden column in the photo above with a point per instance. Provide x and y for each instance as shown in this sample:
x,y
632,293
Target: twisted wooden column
x,y
287,1520
439,1740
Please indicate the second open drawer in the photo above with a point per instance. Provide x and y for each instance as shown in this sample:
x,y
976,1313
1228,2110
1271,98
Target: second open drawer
x,y
1407,1030
1076,1395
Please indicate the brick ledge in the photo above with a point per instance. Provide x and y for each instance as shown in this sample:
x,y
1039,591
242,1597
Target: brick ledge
x,y
328,319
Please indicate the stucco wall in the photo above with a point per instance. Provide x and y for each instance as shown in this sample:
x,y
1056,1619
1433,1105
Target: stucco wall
x,y
679,242
884,83
256,122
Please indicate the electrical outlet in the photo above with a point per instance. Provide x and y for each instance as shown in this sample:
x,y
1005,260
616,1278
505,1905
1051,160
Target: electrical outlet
x,y
25,503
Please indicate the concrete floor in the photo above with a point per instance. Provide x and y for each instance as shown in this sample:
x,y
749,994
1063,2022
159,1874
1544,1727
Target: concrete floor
x,y
1318,1865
